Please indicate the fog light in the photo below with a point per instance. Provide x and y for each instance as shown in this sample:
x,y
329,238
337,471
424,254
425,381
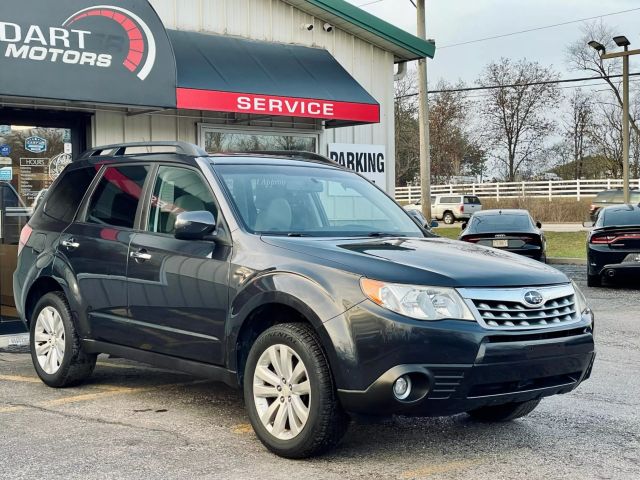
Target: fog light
x,y
402,387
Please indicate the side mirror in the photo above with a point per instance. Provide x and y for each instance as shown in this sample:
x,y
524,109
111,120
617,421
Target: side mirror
x,y
588,224
434,224
464,225
538,224
194,225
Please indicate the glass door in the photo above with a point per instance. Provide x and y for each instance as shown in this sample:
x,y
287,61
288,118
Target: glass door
x,y
31,157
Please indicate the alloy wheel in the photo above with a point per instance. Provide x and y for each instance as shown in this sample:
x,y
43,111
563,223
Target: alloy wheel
x,y
49,340
282,392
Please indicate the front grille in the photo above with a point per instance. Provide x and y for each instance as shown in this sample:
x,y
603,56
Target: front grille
x,y
507,309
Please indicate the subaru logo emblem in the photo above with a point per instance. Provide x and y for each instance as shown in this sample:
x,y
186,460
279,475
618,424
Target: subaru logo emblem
x,y
533,298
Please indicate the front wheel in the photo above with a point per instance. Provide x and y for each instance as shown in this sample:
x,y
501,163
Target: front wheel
x,y
504,413
56,351
448,218
290,394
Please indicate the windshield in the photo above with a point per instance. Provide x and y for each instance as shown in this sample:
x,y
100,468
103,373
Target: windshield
x,y
500,223
312,201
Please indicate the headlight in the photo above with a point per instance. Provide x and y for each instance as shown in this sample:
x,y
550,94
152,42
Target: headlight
x,y
417,301
581,301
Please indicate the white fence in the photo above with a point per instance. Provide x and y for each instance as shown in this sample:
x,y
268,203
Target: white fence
x,y
547,188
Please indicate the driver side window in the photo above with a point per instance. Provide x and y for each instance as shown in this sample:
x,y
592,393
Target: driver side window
x,y
177,190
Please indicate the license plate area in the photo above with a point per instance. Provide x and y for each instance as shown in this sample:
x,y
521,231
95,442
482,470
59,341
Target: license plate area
x,y
500,243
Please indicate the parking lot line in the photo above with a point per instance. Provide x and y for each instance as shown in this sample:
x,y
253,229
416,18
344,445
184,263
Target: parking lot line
x,y
19,378
104,391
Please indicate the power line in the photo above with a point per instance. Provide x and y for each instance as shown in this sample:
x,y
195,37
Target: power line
x,y
515,85
369,3
537,28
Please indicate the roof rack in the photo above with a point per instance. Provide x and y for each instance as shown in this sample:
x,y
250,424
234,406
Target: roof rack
x,y
120,149
294,154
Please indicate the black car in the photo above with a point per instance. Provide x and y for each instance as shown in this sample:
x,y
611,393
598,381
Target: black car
x,y
296,280
511,230
610,197
613,246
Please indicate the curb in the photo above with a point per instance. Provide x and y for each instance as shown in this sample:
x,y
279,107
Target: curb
x,y
567,261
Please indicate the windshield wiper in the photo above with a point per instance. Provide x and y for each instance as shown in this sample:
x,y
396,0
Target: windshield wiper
x,y
384,234
296,234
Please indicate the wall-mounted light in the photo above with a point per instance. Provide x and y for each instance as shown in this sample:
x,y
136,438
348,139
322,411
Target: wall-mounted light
x,y
307,26
327,27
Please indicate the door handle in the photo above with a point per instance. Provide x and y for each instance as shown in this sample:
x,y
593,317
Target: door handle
x,y
70,244
140,256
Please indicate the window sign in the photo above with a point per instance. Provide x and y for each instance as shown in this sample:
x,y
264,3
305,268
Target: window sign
x,y
5,150
367,160
6,174
35,144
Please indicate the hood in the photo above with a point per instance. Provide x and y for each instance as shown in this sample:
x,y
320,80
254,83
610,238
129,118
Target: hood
x,y
425,261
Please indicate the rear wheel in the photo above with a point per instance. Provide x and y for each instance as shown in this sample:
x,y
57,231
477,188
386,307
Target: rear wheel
x,y
504,413
56,351
290,395
448,218
594,280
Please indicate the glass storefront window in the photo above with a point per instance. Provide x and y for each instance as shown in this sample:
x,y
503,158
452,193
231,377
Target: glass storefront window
x,y
31,158
229,141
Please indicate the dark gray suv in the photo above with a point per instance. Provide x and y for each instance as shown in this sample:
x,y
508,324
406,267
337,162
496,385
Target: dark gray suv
x,y
296,280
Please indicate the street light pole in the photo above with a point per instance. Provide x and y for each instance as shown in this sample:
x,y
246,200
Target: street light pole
x,y
425,160
625,124
621,41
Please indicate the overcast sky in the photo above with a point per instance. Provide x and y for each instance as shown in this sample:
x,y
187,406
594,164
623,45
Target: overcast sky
x,y
455,21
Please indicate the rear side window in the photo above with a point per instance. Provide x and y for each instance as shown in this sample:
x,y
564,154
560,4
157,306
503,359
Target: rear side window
x,y
64,199
116,197
450,200
472,200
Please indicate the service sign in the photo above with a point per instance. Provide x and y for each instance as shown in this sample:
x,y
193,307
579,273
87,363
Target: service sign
x,y
368,160
109,52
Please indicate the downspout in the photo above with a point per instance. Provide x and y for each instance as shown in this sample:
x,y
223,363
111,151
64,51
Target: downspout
x,y
401,73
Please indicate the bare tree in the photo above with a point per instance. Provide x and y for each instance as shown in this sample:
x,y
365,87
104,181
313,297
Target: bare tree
x,y
515,118
576,126
605,133
407,130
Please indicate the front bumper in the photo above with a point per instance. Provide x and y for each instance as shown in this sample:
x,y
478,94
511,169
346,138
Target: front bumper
x,y
457,371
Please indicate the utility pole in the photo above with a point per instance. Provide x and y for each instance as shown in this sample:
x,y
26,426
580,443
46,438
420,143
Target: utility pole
x,y
425,159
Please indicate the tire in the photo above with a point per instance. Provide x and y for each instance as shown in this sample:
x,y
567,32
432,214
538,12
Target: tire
x,y
326,422
52,330
504,413
594,280
448,218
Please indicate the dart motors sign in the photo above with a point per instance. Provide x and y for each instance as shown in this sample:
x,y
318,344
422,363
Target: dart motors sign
x,y
86,50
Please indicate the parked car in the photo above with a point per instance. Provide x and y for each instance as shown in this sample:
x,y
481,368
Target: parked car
x,y
511,230
296,280
611,197
613,245
450,208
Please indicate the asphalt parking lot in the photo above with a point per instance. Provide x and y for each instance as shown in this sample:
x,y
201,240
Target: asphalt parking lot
x,y
135,421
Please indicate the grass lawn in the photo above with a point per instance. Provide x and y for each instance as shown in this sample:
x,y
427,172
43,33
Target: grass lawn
x,y
559,244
